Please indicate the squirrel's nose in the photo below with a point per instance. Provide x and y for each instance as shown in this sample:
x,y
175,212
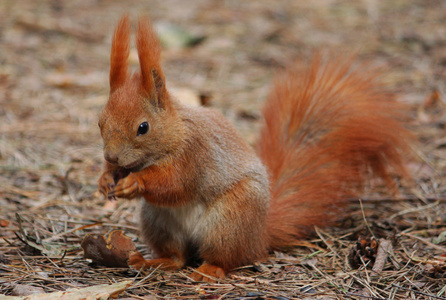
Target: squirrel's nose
x,y
112,158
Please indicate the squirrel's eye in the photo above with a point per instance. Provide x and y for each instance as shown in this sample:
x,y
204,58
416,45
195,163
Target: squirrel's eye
x,y
143,128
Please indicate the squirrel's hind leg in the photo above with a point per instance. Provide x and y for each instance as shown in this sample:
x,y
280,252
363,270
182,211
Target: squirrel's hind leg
x,y
208,273
138,262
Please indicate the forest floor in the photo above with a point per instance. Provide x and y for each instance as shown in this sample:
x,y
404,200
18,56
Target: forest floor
x,y
54,62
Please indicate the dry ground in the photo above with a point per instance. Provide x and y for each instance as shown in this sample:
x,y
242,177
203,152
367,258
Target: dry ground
x,y
53,82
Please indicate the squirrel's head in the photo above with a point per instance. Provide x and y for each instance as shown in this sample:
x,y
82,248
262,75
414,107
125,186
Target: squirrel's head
x,y
139,125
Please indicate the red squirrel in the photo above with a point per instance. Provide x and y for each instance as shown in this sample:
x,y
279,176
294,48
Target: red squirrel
x,y
212,200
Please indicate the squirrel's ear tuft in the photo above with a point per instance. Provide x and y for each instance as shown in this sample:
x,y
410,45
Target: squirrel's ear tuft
x,y
153,82
120,54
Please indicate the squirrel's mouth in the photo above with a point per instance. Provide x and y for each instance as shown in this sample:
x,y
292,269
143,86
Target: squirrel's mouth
x,y
136,166
124,171
119,174
139,164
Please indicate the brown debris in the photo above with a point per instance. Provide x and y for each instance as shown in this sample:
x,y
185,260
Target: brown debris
x,y
4,223
26,290
62,26
96,292
111,252
364,252
436,266
384,249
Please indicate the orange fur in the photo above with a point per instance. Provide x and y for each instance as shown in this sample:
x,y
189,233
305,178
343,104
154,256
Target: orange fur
x,y
162,185
149,54
208,198
207,273
137,261
222,250
119,54
329,128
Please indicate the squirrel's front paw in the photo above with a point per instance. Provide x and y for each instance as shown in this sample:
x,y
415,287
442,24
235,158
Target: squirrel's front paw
x,y
127,187
106,184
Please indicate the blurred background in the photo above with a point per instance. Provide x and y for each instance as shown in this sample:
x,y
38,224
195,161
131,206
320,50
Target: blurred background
x,y
54,61
55,55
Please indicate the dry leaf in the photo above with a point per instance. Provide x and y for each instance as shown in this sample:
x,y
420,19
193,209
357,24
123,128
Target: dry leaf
x,y
26,290
102,292
440,239
4,223
111,252
384,248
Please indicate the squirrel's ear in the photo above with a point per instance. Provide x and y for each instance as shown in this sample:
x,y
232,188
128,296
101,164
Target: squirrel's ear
x,y
120,54
153,82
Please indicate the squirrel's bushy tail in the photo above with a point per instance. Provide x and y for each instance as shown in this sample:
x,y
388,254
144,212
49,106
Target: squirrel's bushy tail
x,y
328,130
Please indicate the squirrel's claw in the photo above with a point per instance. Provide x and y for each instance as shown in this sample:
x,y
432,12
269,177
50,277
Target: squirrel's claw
x,y
106,183
126,188
208,273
